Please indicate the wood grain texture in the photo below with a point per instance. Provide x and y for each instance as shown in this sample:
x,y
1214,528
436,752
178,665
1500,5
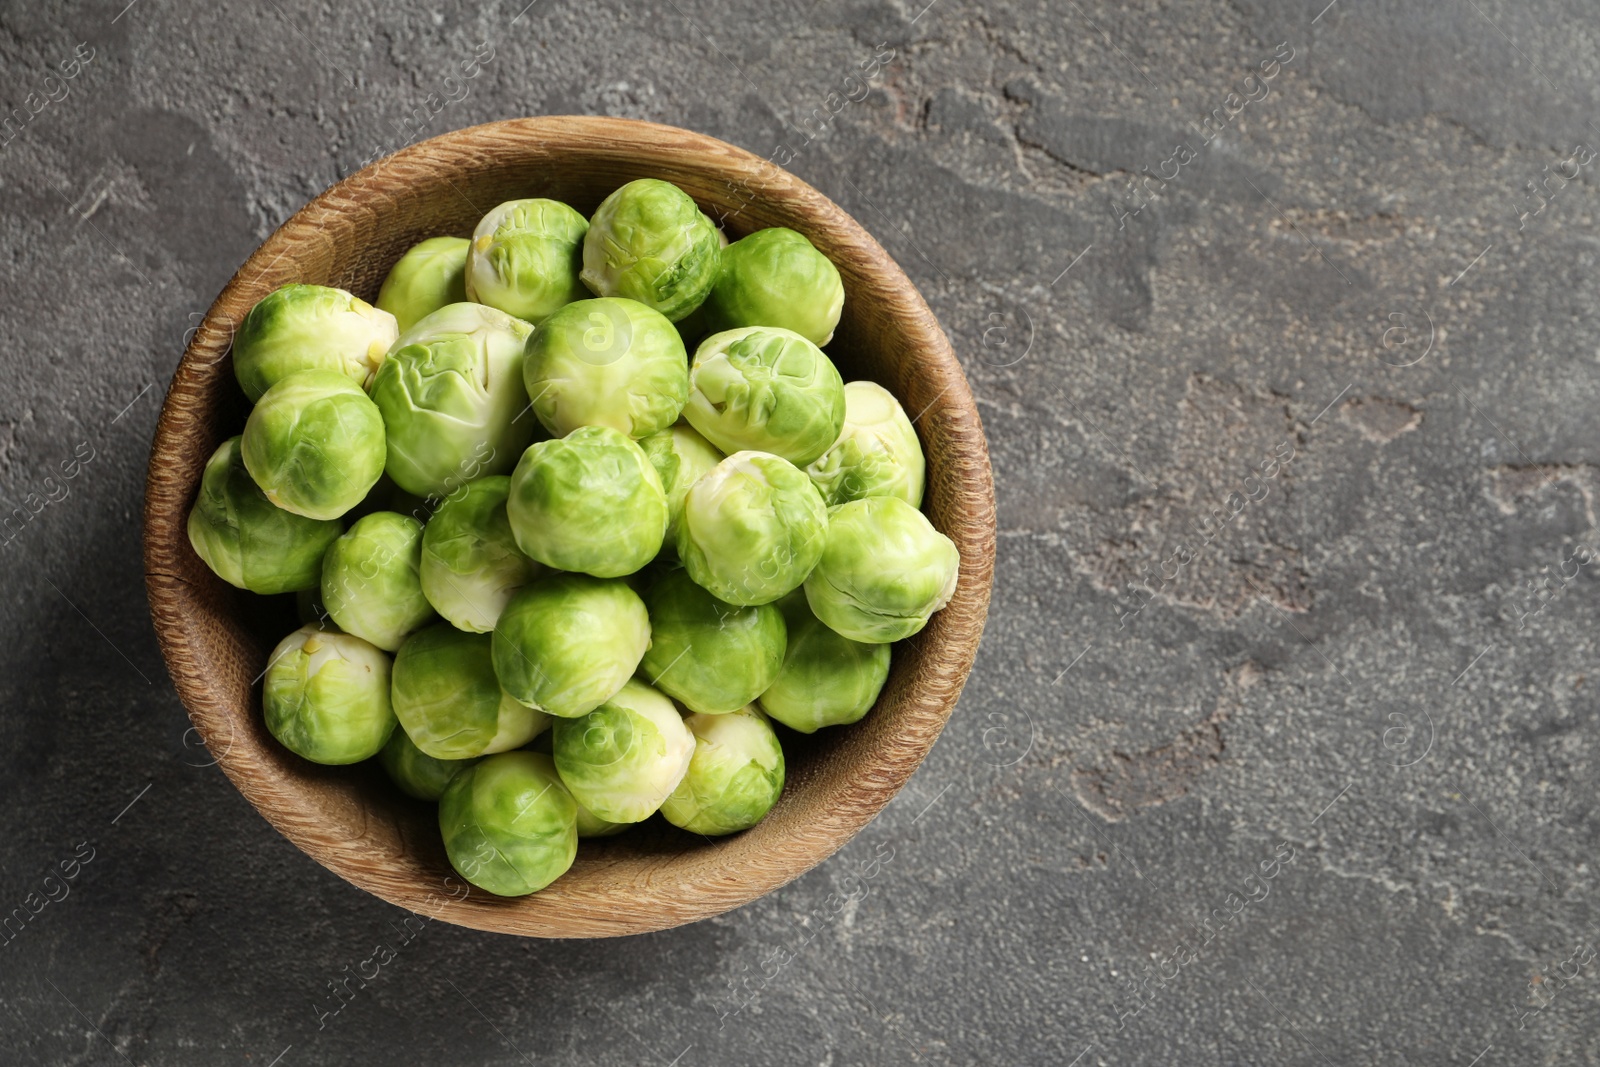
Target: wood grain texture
x,y
216,639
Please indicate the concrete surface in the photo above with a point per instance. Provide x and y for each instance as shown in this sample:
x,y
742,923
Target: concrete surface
x,y
1328,396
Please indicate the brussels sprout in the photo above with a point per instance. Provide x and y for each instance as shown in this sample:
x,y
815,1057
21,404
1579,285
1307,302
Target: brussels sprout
x,y
877,453
589,502
884,571
762,388
734,777
826,680
450,393
447,697
775,277
567,642
471,564
314,444
752,528
525,258
649,242
592,825
414,771
370,582
622,759
681,457
310,327
710,656
246,539
509,825
326,696
606,362
429,276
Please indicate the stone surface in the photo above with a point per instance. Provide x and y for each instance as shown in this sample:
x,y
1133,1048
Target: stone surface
x,y
1304,356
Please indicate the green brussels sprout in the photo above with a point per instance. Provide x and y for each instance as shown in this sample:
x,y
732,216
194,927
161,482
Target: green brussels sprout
x,y
752,529
310,327
471,564
567,642
734,777
326,696
314,444
606,362
429,276
370,582
775,277
509,825
877,453
451,393
885,569
766,389
525,258
592,825
680,456
709,656
447,697
414,771
245,538
649,242
826,680
589,502
621,760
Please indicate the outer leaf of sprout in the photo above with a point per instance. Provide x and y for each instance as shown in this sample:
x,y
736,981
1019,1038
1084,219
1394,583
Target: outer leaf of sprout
x,y
589,502
734,777
509,825
314,444
567,642
621,760
451,393
310,327
471,565
525,257
711,656
649,242
826,679
370,581
606,362
429,276
591,825
884,571
246,539
752,529
680,456
325,696
447,697
766,389
775,277
877,453
416,773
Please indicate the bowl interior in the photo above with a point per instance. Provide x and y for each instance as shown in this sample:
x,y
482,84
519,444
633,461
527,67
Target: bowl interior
x,y
216,639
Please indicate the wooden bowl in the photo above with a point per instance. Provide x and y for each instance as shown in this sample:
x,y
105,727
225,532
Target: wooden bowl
x,y
350,819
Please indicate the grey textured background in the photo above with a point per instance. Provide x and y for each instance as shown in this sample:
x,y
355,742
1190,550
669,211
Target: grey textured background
x,y
1376,671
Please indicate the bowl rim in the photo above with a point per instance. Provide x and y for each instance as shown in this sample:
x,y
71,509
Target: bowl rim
x,y
942,664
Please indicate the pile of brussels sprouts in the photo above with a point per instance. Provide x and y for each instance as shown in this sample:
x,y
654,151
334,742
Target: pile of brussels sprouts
x,y
582,571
